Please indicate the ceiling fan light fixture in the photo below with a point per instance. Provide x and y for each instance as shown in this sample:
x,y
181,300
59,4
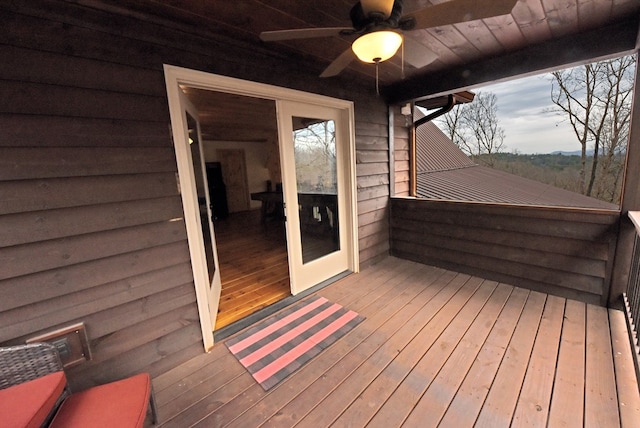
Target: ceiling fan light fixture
x,y
377,46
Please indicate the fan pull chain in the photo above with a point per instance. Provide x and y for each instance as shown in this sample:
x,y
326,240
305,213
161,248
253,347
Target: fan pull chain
x,y
377,78
402,53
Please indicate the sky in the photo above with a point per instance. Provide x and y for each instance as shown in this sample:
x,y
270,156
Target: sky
x,y
529,129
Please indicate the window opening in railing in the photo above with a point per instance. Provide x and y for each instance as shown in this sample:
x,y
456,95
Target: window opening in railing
x,y
556,139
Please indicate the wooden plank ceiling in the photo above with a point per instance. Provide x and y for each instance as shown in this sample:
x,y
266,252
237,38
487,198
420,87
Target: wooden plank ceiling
x,y
530,22
536,35
231,117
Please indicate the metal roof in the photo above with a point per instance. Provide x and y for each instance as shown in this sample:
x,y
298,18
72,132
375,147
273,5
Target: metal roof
x,y
436,152
445,172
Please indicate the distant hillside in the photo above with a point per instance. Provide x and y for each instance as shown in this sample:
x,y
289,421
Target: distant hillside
x,y
573,153
556,169
516,163
560,169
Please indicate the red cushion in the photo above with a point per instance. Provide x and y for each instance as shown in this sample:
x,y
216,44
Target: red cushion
x,y
119,404
29,403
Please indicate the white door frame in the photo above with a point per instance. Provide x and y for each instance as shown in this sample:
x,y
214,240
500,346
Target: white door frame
x,y
176,76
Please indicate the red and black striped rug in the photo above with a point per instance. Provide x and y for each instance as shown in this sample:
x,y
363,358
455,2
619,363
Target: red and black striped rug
x,y
273,349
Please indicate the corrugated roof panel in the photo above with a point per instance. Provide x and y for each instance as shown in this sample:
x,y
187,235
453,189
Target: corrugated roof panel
x,y
482,184
436,152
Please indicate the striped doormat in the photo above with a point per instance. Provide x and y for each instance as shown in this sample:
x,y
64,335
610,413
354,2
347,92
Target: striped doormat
x,y
278,346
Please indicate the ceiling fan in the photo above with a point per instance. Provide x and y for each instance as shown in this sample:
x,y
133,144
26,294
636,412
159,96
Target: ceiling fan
x,y
379,25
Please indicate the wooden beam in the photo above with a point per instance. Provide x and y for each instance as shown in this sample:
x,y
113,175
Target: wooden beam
x,y
615,39
638,38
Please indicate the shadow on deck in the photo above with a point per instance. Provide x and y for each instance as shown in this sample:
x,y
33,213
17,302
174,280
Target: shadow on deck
x,y
437,348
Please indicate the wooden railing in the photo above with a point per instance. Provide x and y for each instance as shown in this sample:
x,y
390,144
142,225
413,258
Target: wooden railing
x,y
565,252
632,295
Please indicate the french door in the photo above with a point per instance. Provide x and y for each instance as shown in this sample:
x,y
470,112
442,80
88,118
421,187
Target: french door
x,y
317,156
314,146
197,212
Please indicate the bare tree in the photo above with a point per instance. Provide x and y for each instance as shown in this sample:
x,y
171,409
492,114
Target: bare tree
x,y
315,155
452,125
596,100
474,126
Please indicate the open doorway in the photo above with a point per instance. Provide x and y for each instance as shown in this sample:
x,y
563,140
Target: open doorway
x,y
240,149
291,204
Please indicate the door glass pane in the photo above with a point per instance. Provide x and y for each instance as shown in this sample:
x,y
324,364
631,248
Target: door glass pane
x,y
317,185
200,178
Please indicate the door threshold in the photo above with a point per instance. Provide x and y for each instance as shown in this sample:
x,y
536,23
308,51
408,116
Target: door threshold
x,y
241,324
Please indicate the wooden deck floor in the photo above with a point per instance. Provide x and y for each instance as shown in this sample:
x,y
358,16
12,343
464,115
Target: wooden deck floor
x,y
437,348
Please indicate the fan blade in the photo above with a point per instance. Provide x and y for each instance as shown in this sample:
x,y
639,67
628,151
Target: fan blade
x,y
382,7
301,33
454,11
417,54
339,64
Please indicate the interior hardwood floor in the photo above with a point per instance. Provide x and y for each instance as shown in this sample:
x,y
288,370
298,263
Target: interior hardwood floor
x,y
437,348
253,265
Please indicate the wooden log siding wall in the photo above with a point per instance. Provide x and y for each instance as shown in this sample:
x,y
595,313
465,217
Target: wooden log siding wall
x,y
563,252
91,222
372,171
401,153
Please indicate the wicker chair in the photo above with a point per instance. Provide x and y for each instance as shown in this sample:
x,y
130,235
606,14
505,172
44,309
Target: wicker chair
x,y
24,363
35,362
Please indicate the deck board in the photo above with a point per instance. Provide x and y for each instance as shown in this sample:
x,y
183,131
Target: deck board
x,y
628,394
185,384
535,396
466,405
501,401
435,401
384,385
601,403
567,403
437,348
446,331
